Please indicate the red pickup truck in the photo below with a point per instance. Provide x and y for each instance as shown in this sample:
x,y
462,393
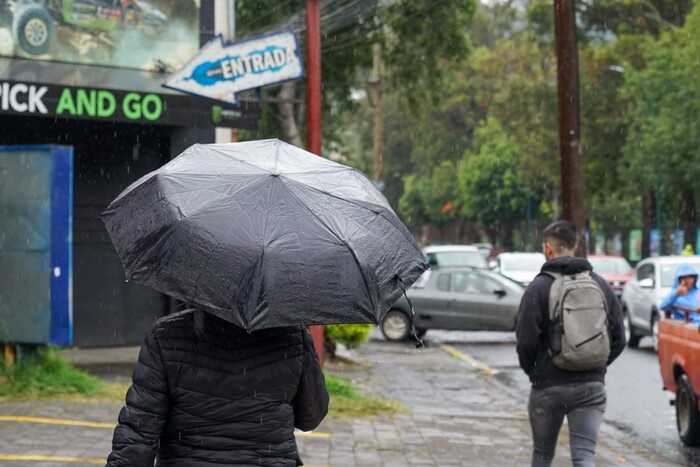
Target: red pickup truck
x,y
679,358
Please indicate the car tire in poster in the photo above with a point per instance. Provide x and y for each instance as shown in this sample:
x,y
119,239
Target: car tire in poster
x,y
687,415
32,29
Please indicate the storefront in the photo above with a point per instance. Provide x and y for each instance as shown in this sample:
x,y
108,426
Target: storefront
x,y
100,93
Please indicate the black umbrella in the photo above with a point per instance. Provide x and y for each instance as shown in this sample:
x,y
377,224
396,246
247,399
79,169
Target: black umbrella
x,y
264,234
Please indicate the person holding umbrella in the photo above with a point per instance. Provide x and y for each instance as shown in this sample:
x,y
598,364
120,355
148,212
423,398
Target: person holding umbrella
x,y
206,392
263,239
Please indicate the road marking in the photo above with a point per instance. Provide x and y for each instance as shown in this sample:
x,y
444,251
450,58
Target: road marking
x,y
55,421
59,421
19,457
469,360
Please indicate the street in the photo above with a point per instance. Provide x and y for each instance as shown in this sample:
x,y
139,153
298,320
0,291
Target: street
x,y
636,403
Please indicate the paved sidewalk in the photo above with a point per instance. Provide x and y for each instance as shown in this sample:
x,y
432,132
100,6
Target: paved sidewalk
x,y
459,416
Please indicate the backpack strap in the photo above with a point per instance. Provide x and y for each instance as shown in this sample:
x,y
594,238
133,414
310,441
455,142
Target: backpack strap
x,y
554,275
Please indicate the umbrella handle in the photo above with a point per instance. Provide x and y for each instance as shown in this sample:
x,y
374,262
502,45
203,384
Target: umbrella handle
x,y
419,341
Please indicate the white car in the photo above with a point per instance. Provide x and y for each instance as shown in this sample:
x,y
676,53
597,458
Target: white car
x,y
643,294
454,255
520,266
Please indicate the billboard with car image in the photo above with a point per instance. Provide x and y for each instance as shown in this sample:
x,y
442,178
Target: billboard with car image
x,y
150,35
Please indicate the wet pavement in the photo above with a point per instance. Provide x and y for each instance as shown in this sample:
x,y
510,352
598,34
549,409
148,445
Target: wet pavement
x,y
458,415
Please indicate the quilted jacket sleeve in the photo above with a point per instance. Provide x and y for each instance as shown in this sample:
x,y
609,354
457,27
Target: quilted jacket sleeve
x,y
311,400
141,420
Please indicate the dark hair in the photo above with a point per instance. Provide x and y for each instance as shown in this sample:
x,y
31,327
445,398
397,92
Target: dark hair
x,y
561,234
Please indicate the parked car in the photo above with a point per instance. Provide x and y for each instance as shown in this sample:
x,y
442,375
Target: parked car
x,y
643,293
484,248
454,255
614,269
518,265
460,298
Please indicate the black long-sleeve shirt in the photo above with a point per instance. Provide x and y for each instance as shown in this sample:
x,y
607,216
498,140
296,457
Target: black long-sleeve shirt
x,y
533,319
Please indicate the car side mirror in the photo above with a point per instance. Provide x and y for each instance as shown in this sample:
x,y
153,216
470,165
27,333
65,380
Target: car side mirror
x,y
500,293
647,283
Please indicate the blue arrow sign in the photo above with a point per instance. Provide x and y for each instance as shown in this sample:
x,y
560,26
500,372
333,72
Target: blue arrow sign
x,y
221,70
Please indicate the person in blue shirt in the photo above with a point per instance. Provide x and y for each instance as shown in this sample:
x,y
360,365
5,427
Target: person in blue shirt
x,y
684,296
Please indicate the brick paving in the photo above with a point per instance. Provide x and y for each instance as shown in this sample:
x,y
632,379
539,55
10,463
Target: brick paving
x,y
457,416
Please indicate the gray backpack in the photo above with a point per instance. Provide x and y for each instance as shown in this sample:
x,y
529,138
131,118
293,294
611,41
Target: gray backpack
x,y
578,322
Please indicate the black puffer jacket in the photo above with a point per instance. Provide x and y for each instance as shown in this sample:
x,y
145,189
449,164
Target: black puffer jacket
x,y
207,393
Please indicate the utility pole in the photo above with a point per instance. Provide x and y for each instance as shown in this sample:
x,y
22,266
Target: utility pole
x,y
313,76
231,38
571,158
375,82
313,106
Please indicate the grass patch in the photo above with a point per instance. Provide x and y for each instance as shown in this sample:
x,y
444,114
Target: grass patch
x,y
348,402
46,375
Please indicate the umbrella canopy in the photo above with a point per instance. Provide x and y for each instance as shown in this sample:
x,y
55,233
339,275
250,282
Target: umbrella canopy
x,y
264,234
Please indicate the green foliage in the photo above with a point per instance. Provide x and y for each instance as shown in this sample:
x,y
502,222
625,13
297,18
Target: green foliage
x,y
492,190
351,335
423,38
347,402
661,148
431,199
47,375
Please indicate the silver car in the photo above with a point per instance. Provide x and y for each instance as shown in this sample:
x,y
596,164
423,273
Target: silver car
x,y
460,298
643,294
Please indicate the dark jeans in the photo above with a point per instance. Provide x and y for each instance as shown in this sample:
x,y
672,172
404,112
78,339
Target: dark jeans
x,y
583,404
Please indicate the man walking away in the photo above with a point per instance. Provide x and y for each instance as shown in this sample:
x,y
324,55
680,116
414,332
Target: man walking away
x,y
566,368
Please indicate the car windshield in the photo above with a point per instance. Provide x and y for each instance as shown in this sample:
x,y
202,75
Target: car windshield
x,y
668,272
610,265
457,258
523,263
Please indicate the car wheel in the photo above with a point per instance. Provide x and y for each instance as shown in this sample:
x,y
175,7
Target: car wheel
x,y
396,326
687,416
655,331
630,337
32,29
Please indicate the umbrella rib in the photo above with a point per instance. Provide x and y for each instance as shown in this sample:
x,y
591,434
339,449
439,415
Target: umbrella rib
x,y
240,160
211,254
354,257
407,237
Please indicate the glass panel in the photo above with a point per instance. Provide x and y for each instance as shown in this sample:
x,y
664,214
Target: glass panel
x,y
25,246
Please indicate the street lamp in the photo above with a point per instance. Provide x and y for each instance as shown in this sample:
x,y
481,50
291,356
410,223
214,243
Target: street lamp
x,y
657,183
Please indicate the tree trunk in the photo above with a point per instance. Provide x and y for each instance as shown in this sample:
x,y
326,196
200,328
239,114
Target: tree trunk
x,y
285,104
556,198
689,217
648,208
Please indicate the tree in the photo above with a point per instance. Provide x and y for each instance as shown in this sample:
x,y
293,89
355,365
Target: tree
x,y
420,39
661,149
492,190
